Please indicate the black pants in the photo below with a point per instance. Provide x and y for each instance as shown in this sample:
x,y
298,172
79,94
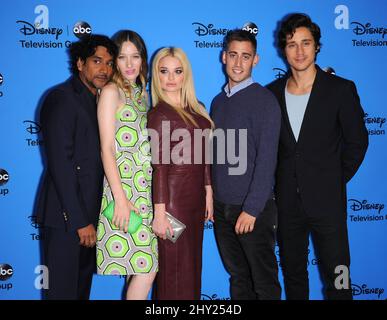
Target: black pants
x,y
249,258
330,238
70,266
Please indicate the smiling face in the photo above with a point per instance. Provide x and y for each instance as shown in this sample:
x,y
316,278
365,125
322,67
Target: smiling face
x,y
129,61
300,50
97,70
171,75
240,58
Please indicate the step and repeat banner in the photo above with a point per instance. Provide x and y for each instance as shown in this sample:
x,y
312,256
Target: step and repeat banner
x,y
34,38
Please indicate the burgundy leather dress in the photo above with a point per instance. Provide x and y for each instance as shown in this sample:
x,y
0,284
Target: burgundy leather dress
x,y
180,185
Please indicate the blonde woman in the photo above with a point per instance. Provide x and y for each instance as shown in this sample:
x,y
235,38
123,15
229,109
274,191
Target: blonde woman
x,y
122,116
181,181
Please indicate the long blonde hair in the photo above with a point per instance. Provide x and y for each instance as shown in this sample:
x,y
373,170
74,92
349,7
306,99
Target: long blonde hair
x,y
119,38
187,95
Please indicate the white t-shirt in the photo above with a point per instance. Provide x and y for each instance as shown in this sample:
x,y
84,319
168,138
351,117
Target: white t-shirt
x,y
296,106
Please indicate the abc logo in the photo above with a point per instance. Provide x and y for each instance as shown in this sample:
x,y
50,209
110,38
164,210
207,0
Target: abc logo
x,y
329,70
4,177
250,27
6,272
81,29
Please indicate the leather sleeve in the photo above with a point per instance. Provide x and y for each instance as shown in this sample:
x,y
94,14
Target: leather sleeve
x,y
159,134
207,168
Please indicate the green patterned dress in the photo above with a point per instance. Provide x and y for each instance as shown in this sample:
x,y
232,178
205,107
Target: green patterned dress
x,y
120,253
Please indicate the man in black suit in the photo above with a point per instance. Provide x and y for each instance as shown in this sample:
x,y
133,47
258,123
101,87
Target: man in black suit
x,y
70,198
323,141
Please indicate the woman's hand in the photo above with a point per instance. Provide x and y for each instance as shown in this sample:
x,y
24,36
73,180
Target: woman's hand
x,y
121,214
209,204
160,223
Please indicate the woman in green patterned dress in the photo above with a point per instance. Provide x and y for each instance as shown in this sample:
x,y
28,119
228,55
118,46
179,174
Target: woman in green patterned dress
x,y
125,151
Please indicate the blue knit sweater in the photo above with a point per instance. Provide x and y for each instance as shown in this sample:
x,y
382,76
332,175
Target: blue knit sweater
x,y
256,109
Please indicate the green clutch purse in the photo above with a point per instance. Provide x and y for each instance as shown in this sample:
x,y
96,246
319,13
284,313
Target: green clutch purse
x,y
135,220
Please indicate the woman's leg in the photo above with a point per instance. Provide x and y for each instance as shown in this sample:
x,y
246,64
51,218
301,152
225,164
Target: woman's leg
x,y
139,286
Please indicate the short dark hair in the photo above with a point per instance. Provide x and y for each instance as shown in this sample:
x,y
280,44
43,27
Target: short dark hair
x,y
87,46
239,35
294,21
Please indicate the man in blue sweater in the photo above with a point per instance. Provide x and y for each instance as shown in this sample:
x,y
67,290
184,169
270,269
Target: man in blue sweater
x,y
245,212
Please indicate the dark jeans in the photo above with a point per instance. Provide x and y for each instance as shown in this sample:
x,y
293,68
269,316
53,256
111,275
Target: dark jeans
x,y
330,238
249,258
70,266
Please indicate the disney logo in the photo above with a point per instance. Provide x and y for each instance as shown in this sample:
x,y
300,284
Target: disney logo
x,y
203,30
29,29
358,290
280,74
212,297
363,205
361,29
34,222
33,128
377,120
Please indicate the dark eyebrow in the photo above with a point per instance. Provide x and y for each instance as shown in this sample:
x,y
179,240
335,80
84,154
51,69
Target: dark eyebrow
x,y
303,40
100,58
243,53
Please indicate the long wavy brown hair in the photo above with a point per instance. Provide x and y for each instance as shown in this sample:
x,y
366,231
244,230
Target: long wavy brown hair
x,y
119,38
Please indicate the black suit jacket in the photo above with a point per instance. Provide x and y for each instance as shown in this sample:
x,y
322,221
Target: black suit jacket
x,y
71,191
331,146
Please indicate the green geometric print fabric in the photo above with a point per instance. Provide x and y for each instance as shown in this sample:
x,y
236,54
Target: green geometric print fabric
x,y
120,253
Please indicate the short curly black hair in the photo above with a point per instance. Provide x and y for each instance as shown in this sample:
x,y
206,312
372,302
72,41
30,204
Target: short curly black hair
x,y
87,46
294,21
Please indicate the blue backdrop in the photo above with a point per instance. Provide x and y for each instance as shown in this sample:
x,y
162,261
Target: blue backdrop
x,y
34,38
